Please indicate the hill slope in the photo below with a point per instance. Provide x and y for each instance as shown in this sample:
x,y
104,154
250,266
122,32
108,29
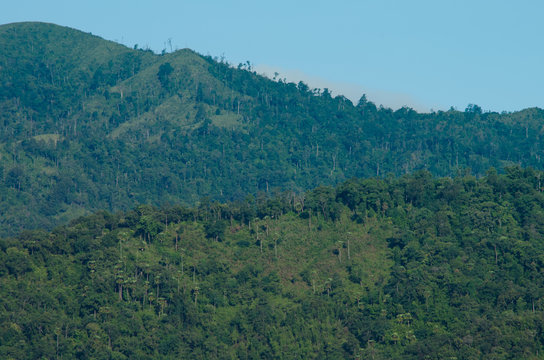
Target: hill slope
x,y
411,268
89,124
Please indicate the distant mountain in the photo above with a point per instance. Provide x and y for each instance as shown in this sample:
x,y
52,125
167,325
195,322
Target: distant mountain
x,y
89,124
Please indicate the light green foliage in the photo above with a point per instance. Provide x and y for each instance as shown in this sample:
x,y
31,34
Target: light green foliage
x,y
407,267
379,272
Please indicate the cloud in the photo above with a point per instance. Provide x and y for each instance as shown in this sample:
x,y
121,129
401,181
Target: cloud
x,y
352,91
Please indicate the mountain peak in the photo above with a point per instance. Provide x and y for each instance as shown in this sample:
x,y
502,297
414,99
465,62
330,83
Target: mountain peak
x,y
91,124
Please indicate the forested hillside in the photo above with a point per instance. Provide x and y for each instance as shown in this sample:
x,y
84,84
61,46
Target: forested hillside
x,y
409,268
89,124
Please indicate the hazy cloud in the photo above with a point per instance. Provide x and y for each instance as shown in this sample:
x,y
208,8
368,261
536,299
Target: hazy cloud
x,y
352,91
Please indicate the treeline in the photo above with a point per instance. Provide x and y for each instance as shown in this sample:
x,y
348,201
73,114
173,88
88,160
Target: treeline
x,y
88,124
411,267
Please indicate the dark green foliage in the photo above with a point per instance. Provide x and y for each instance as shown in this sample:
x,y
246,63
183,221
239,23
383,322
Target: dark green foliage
x,y
164,74
408,267
88,124
215,229
453,269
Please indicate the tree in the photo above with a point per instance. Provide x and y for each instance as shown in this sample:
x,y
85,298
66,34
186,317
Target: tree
x,y
148,227
165,70
473,108
17,261
323,199
215,229
16,178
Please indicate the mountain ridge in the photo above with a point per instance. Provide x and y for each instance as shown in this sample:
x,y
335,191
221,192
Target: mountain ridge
x,y
89,124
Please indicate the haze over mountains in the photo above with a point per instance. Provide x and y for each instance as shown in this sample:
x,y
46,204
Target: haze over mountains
x,y
90,124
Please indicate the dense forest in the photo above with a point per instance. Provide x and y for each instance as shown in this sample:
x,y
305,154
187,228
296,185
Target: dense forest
x,y
174,205
88,124
414,267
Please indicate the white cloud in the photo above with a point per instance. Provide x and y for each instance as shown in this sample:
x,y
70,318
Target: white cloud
x,y
352,91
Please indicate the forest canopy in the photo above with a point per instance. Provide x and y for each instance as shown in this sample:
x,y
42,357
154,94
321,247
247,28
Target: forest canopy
x,y
412,267
88,124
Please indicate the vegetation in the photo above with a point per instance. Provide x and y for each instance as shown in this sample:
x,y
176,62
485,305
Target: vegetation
x,y
414,267
410,245
88,124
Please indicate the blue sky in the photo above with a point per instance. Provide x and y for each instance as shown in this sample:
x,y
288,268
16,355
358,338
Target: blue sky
x,y
421,53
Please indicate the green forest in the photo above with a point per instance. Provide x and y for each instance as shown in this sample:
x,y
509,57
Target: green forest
x,y
87,124
174,205
409,268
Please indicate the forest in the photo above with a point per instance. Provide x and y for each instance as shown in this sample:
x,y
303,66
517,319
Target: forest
x,y
414,267
87,124
174,205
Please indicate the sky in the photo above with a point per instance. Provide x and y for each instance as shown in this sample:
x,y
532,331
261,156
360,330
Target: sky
x,y
424,54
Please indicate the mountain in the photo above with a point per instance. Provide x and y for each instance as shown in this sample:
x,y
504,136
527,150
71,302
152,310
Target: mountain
x,y
409,268
89,124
